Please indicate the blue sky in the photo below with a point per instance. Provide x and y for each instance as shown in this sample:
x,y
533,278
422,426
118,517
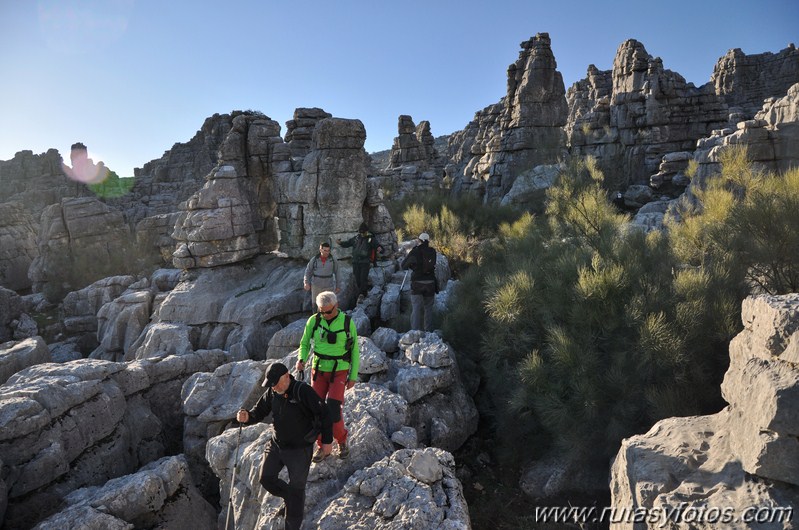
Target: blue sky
x,y
130,78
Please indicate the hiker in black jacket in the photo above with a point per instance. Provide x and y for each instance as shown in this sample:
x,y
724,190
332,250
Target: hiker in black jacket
x,y
298,415
422,261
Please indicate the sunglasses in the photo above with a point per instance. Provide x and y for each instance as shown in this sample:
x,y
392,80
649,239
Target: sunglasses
x,y
328,311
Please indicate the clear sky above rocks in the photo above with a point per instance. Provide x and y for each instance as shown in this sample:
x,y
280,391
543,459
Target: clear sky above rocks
x,y
129,78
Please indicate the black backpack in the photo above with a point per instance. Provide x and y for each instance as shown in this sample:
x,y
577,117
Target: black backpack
x,y
428,261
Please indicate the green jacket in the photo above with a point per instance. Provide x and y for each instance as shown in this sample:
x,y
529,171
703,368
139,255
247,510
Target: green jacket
x,y
321,345
363,247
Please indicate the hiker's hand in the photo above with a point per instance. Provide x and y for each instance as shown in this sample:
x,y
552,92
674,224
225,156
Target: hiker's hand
x,y
350,384
327,449
338,241
300,366
242,416
306,287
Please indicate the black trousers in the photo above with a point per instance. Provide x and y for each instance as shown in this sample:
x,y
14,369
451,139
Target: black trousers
x,y
361,273
298,463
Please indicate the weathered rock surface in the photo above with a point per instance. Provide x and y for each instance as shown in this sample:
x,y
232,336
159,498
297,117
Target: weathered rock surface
x,y
79,308
235,308
37,181
68,426
220,223
159,495
523,130
10,310
411,489
15,356
160,185
770,138
17,245
742,458
80,241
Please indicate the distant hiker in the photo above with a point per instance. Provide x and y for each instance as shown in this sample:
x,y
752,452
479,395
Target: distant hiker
x,y
298,417
618,201
335,364
321,274
424,286
364,252
83,168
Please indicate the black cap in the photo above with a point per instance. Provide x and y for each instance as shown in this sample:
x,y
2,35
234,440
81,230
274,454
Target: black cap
x,y
274,373
363,228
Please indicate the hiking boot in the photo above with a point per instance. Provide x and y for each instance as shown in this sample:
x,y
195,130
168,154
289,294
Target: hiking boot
x,y
319,455
343,450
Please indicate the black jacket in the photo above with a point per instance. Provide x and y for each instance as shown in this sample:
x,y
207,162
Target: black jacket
x,y
414,262
293,414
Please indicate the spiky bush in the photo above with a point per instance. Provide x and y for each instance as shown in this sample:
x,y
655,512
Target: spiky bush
x,y
591,329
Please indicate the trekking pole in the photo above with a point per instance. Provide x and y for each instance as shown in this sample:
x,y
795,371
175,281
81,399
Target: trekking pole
x,y
231,517
403,280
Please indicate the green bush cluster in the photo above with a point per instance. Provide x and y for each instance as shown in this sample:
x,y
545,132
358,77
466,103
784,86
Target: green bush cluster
x,y
587,330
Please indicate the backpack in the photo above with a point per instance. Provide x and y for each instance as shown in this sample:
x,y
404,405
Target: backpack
x,y
316,258
428,261
316,423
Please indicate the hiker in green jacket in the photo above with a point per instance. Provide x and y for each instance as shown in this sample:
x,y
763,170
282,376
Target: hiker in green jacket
x,y
364,253
335,365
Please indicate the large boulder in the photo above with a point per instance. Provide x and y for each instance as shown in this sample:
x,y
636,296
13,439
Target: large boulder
x,y
15,356
734,469
17,245
82,423
159,495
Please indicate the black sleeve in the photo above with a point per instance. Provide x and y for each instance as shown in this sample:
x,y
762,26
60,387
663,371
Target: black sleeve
x,y
262,408
318,408
410,261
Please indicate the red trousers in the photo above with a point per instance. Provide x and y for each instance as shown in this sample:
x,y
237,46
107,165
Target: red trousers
x,y
331,386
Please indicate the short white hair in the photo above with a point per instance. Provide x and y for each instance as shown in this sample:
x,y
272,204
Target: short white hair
x,y
326,298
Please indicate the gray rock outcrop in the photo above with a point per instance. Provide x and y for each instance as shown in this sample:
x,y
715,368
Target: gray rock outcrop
x,y
523,130
17,245
80,241
411,489
733,462
159,495
68,426
16,356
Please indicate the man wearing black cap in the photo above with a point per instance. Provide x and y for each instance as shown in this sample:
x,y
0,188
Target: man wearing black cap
x,y
298,414
364,252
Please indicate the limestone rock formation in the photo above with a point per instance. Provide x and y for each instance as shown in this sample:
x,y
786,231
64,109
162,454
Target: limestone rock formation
x,y
159,495
324,199
523,130
630,117
37,181
299,130
413,145
219,225
236,308
68,426
17,245
744,81
80,241
161,184
770,137
412,488
16,356
741,458
79,308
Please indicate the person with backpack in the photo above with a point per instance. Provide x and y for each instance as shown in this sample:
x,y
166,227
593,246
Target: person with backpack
x,y
335,364
299,416
321,274
364,254
424,286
